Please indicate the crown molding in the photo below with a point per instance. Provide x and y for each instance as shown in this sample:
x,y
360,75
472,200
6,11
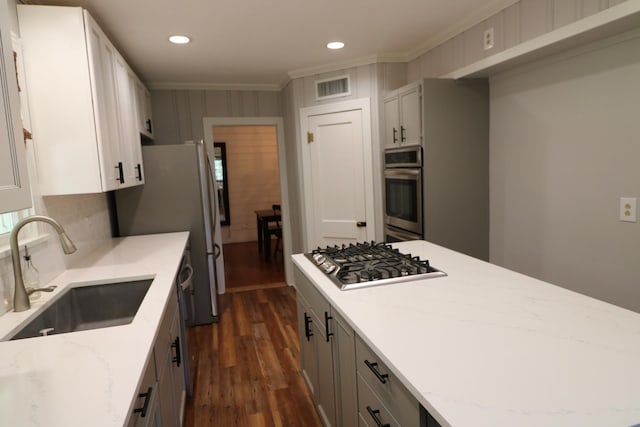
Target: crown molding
x,y
487,11
215,86
490,9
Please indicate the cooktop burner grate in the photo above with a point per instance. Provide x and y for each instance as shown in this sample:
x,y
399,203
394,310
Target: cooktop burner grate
x,y
367,264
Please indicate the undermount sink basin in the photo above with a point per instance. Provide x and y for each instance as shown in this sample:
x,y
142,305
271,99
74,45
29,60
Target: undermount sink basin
x,y
88,307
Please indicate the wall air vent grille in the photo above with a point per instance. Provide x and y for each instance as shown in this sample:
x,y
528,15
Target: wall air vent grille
x,y
333,87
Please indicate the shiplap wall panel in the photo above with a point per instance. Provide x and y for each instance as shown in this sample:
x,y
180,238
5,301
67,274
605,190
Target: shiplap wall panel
x,y
473,43
589,7
178,114
217,103
534,18
511,26
458,51
197,109
394,75
565,12
254,183
165,116
184,117
516,24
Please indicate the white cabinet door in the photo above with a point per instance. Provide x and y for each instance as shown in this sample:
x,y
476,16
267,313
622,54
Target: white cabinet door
x,y
15,193
403,116
82,103
130,139
391,122
143,107
101,62
410,116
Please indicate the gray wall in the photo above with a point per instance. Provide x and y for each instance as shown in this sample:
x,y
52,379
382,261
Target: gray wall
x,y
178,114
522,21
564,149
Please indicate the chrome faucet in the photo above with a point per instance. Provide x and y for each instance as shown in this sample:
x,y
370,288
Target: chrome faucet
x,y
20,296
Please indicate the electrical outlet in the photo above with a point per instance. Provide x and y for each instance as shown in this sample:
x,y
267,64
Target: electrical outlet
x,y
488,39
628,209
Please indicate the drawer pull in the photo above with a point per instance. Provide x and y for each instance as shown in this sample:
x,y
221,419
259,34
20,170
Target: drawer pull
x,y
326,325
307,329
374,414
374,368
145,405
177,359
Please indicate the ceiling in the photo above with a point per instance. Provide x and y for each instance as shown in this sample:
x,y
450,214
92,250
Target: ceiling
x,y
262,44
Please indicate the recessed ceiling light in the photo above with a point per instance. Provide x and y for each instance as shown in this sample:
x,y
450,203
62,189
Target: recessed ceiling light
x,y
335,45
179,39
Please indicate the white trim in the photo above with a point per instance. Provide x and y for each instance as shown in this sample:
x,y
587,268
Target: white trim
x,y
29,242
492,8
210,122
363,104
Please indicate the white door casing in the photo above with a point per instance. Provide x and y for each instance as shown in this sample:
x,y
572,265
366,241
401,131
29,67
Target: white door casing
x,y
337,173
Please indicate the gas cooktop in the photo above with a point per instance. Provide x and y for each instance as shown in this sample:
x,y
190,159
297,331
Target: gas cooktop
x,y
370,264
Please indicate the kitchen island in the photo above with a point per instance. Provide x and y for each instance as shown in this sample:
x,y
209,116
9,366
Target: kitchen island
x,y
485,346
89,378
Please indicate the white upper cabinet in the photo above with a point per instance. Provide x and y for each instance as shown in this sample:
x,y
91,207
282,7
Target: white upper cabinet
x,y
83,106
15,192
403,116
143,104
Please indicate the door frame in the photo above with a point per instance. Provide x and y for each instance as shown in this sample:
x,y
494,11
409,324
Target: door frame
x,y
210,122
364,105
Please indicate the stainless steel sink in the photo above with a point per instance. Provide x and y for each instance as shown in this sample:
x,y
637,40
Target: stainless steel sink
x,y
88,307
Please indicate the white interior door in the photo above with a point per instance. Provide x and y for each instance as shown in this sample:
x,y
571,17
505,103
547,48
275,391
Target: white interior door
x,y
337,181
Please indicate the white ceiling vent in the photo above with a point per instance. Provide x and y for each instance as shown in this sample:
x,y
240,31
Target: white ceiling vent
x,y
333,87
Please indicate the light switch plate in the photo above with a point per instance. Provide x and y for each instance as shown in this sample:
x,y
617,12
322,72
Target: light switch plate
x,y
628,209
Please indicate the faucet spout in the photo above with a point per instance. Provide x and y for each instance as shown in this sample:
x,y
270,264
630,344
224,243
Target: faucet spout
x,y
20,296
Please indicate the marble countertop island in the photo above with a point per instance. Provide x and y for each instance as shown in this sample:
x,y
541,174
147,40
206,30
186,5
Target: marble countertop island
x,y
89,378
485,346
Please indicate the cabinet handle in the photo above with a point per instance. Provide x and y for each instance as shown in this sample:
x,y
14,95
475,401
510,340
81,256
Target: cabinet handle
x,y
374,414
395,135
177,359
361,224
307,329
403,134
139,169
148,123
145,405
374,368
120,173
326,325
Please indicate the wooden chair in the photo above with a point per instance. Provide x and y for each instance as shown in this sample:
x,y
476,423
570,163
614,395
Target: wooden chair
x,y
276,230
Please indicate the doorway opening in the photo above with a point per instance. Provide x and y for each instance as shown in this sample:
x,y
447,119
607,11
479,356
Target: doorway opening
x,y
255,182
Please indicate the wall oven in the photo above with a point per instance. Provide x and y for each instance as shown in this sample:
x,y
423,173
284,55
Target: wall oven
x,y
403,193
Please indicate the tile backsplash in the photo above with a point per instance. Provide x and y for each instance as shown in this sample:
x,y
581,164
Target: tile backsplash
x,y
85,218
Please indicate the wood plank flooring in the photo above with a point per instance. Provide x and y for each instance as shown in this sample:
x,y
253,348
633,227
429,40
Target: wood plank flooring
x,y
246,269
246,366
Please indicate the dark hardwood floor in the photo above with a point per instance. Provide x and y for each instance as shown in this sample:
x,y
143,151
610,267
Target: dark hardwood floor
x,y
245,268
245,367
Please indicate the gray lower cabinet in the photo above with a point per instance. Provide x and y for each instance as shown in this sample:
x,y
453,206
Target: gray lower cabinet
x,y
162,393
146,408
382,398
327,356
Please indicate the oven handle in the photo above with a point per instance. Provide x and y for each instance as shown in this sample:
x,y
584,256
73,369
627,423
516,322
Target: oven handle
x,y
410,173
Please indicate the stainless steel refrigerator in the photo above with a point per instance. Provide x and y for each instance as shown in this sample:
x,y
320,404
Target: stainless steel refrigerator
x,y
180,194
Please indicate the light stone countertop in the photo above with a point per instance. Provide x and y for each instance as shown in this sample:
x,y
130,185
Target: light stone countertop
x,y
486,346
89,378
